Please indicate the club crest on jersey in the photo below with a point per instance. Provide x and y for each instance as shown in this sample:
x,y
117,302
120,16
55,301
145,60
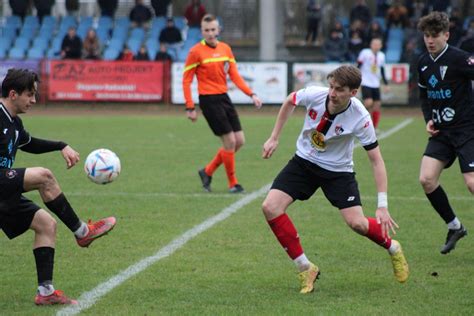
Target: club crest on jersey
x,y
10,174
317,140
442,71
226,66
367,124
338,130
313,114
470,61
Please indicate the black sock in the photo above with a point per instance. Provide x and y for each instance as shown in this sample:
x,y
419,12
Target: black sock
x,y
44,257
61,207
439,200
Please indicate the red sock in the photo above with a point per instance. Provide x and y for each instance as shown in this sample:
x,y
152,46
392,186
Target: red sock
x,y
228,158
287,235
374,233
376,118
215,163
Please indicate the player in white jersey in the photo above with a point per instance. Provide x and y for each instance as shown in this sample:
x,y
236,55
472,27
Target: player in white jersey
x,y
371,62
334,118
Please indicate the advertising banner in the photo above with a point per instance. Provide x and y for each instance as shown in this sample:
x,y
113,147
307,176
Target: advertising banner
x,y
105,81
33,65
305,74
268,80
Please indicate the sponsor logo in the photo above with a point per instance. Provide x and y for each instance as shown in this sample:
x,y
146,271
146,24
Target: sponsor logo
x,y
424,68
433,81
367,124
10,174
439,94
442,70
471,164
5,130
448,114
350,198
470,61
313,114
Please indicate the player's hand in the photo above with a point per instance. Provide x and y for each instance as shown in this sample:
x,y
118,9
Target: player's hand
x,y
386,88
386,222
269,148
192,115
70,155
431,129
256,101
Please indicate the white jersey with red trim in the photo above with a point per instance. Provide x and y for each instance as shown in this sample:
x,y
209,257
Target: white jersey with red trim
x,y
328,140
370,67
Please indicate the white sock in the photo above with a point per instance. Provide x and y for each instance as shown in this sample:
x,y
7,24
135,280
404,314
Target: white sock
x,y
45,290
302,262
454,224
394,247
82,231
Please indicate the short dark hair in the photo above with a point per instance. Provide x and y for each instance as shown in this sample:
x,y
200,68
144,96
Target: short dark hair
x,y
434,23
19,80
209,18
346,76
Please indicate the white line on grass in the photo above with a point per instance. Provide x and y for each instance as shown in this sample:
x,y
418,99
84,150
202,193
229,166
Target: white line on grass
x,y
87,299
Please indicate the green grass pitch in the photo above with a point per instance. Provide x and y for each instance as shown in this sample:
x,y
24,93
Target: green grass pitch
x,y
236,267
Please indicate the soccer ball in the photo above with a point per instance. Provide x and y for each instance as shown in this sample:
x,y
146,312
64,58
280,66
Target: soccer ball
x,y
102,166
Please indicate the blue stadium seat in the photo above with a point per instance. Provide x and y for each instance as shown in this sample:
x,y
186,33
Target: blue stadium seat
x,y
134,45
393,55
13,20
56,44
22,43
53,54
28,31
122,21
138,33
49,21
31,20
9,31
120,33
105,22
157,24
16,53
116,44
152,44
3,53
103,35
41,43
182,54
180,22
111,54
5,43
35,53
193,34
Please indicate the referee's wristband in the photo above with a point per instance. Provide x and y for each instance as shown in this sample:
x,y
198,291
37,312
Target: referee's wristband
x,y
382,200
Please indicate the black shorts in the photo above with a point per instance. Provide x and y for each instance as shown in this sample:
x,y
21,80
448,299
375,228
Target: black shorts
x,y
448,145
220,113
300,178
370,93
16,211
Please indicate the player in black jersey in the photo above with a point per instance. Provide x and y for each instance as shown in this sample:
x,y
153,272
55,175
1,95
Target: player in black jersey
x,y
17,213
445,73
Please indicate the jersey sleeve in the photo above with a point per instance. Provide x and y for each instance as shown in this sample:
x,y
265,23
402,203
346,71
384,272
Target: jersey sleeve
x,y
235,76
365,133
306,95
192,62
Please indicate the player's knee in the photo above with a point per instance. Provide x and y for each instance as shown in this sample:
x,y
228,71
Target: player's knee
x,y
470,185
427,183
45,224
269,209
46,176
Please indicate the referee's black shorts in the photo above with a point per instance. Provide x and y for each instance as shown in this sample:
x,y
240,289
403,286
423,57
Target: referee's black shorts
x,y
220,113
300,178
16,211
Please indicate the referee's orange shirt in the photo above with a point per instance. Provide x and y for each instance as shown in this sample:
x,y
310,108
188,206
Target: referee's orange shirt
x,y
211,65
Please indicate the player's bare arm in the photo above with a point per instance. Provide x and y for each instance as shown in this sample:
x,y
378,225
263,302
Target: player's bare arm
x,y
430,129
380,176
285,111
192,115
256,101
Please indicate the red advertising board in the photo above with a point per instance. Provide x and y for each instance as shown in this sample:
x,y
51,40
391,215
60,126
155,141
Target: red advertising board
x,y
105,81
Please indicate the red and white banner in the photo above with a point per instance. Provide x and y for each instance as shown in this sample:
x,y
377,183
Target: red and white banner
x,y
105,81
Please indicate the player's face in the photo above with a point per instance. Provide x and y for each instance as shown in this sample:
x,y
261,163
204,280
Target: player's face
x,y
376,45
435,43
25,100
339,96
210,31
